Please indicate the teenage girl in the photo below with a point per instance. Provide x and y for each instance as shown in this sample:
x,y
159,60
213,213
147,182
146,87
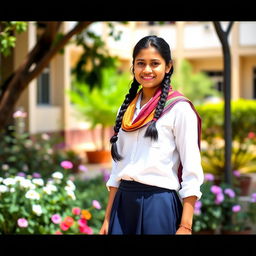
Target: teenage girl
x,y
156,175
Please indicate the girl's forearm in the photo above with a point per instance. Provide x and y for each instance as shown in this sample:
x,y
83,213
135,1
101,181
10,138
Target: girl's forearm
x,y
188,211
111,197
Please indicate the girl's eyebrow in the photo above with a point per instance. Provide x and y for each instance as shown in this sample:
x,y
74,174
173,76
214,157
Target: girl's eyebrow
x,y
150,60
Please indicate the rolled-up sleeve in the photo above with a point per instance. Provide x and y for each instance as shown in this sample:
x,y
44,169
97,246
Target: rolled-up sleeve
x,y
112,181
186,137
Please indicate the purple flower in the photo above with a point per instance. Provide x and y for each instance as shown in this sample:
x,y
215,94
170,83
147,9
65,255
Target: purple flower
x,y
56,219
22,223
106,175
36,175
216,189
22,174
96,204
66,164
219,198
236,208
197,210
82,168
230,192
253,197
236,173
209,177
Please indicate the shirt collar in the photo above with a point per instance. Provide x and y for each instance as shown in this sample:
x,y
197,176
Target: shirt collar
x,y
138,102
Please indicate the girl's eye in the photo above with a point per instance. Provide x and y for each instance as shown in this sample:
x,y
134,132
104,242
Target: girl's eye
x,y
140,63
155,63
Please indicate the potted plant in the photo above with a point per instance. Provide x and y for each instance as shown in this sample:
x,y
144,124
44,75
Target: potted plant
x,y
99,107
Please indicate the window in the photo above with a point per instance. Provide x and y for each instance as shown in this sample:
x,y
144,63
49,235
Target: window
x,y
217,77
254,83
43,87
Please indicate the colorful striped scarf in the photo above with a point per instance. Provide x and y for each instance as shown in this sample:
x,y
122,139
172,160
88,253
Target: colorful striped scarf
x,y
146,115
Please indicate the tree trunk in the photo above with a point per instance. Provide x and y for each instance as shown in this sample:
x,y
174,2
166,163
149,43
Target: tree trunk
x,y
223,36
33,65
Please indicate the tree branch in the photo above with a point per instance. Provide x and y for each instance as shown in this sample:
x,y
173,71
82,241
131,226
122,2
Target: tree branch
x,y
58,46
229,27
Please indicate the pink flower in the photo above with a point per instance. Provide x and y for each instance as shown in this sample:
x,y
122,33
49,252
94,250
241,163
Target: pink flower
x,y
64,226
216,189
236,173
219,198
209,177
56,219
22,223
76,210
236,208
19,113
230,192
96,204
66,164
82,222
85,229
251,135
58,233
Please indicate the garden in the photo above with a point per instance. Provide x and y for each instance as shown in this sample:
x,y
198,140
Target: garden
x,y
39,189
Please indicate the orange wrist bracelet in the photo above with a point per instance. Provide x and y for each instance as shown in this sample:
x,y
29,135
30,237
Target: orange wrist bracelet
x,y
181,225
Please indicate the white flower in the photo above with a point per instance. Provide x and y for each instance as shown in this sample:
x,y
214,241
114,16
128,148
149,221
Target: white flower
x,y
38,181
28,143
3,189
49,188
12,190
49,151
9,181
57,175
71,194
25,168
45,136
26,183
32,194
1,179
37,209
19,178
5,167
71,185
46,157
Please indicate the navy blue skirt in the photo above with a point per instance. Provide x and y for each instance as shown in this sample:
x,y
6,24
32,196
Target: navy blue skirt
x,y
143,209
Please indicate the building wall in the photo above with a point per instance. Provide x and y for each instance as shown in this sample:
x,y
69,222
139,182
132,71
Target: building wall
x,y
194,41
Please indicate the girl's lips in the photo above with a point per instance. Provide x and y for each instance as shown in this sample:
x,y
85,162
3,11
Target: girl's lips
x,y
147,78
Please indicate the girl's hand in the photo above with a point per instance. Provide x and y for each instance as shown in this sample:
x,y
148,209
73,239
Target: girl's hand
x,y
183,231
104,228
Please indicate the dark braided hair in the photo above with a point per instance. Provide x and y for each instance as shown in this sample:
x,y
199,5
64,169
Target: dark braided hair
x,y
164,50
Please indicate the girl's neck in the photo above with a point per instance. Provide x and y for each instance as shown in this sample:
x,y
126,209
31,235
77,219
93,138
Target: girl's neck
x,y
148,93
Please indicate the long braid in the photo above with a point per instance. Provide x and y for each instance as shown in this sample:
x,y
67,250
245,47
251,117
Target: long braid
x,y
151,130
128,99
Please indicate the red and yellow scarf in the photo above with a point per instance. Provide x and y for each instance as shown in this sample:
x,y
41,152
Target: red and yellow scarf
x,y
146,115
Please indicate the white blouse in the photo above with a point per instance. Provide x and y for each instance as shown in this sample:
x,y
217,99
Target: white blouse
x,y
156,162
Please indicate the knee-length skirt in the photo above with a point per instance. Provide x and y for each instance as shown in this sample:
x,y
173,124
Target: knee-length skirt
x,y
144,209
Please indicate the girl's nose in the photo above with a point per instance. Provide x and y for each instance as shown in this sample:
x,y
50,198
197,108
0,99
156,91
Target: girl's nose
x,y
147,68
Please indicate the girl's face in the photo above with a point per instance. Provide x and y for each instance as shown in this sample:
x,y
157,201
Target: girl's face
x,y
150,68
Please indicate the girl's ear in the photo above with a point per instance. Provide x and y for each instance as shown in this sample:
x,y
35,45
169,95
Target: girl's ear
x,y
168,67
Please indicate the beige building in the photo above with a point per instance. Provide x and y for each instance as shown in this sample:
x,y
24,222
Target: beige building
x,y
48,106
